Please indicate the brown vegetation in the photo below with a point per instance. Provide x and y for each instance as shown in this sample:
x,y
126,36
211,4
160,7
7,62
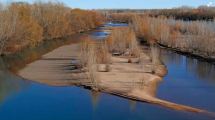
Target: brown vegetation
x,y
123,41
96,55
196,37
94,49
181,13
120,17
185,13
93,55
22,24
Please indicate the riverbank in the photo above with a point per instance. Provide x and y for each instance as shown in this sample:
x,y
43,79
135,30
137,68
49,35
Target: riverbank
x,y
60,68
196,55
19,59
131,81
190,53
20,30
55,69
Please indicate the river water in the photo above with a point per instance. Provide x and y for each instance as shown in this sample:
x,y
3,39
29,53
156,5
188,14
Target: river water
x,y
189,82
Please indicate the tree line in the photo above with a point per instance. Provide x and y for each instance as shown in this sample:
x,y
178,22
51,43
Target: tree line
x,y
181,13
23,24
185,13
196,37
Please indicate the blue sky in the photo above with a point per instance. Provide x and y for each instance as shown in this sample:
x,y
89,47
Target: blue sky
x,y
90,4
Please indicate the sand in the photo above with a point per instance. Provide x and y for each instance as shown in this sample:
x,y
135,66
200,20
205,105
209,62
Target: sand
x,y
130,80
55,68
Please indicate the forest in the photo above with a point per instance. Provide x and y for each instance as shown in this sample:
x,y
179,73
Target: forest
x,y
180,13
195,37
23,24
186,13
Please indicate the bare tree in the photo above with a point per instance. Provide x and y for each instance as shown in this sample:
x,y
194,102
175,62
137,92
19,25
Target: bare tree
x,y
7,27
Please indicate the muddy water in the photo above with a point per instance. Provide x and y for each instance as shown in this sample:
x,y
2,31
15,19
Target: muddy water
x,y
189,84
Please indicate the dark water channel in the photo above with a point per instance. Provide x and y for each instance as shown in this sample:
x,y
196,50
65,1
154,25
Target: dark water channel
x,y
189,81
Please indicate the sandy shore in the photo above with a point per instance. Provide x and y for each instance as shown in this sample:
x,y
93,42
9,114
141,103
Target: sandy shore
x,y
136,82
130,80
198,55
55,68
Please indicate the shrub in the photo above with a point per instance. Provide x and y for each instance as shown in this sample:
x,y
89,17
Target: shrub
x,y
192,36
93,54
123,39
94,49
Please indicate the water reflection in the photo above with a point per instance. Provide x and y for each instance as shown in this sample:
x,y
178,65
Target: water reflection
x,y
9,83
103,31
99,35
171,57
43,102
111,24
95,97
19,60
133,105
189,81
205,71
201,69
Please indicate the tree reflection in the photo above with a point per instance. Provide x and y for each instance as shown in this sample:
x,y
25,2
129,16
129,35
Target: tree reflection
x,y
205,71
95,96
132,104
9,83
201,69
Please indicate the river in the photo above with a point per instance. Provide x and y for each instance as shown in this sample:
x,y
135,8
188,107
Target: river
x,y
189,81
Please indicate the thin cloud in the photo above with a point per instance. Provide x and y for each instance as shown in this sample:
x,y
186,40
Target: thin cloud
x,y
210,4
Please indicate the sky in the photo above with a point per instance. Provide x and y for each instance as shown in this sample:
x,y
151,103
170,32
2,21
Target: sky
x,y
130,4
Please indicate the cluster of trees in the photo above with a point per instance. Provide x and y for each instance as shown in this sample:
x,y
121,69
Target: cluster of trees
x,y
120,17
23,24
96,55
197,37
185,13
122,40
182,13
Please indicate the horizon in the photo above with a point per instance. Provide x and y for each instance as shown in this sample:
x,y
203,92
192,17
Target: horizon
x,y
125,4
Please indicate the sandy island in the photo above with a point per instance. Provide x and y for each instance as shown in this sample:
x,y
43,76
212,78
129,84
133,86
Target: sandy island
x,y
130,80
